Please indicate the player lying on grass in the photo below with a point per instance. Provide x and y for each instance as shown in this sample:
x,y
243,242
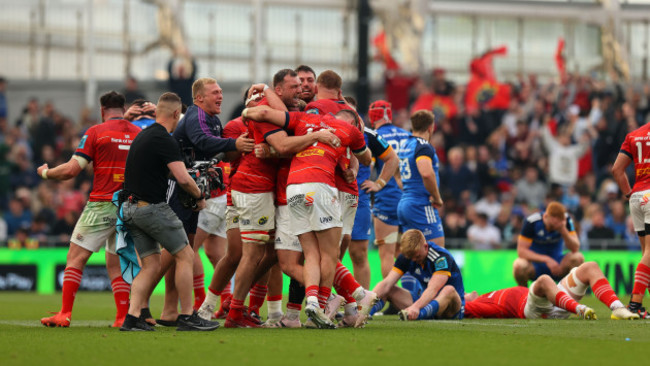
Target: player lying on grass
x,y
438,292
545,299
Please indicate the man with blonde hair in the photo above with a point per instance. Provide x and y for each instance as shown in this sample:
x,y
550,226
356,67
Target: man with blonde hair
x,y
540,245
439,292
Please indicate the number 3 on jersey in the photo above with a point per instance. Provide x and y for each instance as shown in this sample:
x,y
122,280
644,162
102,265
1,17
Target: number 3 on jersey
x,y
405,168
639,147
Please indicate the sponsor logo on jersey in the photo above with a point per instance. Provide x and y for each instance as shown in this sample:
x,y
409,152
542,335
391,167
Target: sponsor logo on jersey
x,y
309,198
262,220
325,220
82,143
295,200
441,263
118,177
311,152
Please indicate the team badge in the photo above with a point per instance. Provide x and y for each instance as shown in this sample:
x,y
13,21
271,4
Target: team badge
x,y
262,220
80,237
235,220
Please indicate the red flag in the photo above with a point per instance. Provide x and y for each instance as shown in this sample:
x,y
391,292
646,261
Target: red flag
x,y
560,62
483,85
384,53
438,104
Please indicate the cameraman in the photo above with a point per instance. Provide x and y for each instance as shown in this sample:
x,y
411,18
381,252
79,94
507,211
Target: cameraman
x,y
150,220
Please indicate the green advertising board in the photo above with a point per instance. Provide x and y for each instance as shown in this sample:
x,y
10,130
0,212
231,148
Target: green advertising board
x,y
483,271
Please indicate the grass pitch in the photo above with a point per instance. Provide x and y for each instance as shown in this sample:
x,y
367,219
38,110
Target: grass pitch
x,y
385,341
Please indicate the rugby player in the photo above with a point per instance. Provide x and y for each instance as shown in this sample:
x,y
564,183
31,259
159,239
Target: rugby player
x,y
636,149
105,145
439,291
539,246
307,78
386,189
417,209
545,299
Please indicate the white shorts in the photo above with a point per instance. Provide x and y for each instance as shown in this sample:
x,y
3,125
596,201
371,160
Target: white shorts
x,y
256,210
96,227
539,307
313,207
232,218
640,209
212,219
284,239
349,203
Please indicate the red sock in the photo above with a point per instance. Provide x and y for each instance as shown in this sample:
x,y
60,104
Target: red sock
x,y
236,308
323,294
641,279
604,292
293,306
274,298
564,301
311,291
344,282
71,282
256,299
121,291
199,291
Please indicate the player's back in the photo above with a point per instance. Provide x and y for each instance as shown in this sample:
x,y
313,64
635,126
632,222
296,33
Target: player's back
x,y
413,149
395,137
255,175
326,106
637,147
503,304
107,146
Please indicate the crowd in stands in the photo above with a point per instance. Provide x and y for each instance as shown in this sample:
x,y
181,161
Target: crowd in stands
x,y
554,141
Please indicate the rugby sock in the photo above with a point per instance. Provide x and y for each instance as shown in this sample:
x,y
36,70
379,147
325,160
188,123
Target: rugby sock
x,y
226,294
71,282
312,294
605,294
256,299
199,291
236,308
429,311
293,311
323,294
564,301
344,280
641,279
121,292
378,306
211,298
274,304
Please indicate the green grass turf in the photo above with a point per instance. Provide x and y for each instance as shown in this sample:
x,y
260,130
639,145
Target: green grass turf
x,y
384,341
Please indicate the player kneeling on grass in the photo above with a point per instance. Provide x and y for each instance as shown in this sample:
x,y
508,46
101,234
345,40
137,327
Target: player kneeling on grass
x,y
545,299
438,292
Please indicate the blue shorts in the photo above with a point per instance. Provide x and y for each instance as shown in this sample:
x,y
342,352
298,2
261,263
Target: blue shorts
x,y
423,218
385,215
362,221
542,268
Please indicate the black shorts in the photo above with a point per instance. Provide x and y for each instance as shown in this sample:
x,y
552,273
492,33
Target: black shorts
x,y
189,218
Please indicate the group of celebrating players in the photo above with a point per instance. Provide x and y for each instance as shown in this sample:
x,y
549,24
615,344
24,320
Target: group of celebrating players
x,y
297,174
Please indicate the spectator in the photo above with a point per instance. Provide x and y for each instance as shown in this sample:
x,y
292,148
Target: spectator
x,y
615,220
455,226
457,178
482,234
17,217
530,190
563,156
132,91
489,204
3,99
182,72
598,229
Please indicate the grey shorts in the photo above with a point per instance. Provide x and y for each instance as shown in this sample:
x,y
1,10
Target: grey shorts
x,y
152,225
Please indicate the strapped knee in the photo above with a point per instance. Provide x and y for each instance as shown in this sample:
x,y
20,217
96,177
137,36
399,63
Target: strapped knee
x,y
575,286
255,237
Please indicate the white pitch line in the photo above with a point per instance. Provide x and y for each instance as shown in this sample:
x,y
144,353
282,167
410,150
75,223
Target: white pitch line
x,y
76,323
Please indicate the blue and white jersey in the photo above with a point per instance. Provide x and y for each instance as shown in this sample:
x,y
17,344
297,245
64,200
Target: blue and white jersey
x,y
378,147
544,241
438,261
414,149
390,195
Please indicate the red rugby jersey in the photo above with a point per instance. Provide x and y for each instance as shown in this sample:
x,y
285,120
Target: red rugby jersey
x,y
233,130
317,163
637,147
107,146
506,303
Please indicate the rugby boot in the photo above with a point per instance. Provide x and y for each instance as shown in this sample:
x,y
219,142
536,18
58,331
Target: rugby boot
x,y
57,320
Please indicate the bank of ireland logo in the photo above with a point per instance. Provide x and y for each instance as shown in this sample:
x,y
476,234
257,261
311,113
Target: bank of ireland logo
x,y
309,198
262,220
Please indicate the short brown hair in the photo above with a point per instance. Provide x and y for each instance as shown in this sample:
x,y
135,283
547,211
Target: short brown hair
x,y
350,100
422,120
350,114
305,68
112,99
329,80
168,103
556,209
197,86
411,241
279,76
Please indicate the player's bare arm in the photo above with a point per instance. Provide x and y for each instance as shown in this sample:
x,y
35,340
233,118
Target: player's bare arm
x,y
65,171
618,171
390,169
365,156
570,239
524,252
429,179
350,174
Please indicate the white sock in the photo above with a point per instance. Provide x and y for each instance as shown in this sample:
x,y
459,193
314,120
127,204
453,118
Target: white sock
x,y
312,300
616,304
275,307
211,299
293,314
359,293
350,309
